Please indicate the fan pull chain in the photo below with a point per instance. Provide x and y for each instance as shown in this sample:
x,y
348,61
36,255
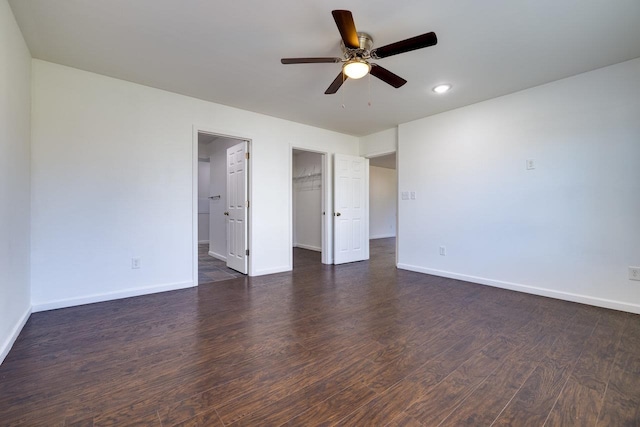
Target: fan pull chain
x,y
342,91
369,86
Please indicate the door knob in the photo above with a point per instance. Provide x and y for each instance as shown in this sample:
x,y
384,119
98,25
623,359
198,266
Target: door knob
x,y
226,213
338,214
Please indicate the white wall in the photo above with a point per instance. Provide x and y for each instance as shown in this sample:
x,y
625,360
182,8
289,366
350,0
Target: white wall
x,y
15,101
203,147
383,196
307,200
378,143
204,173
218,187
101,198
382,185
568,228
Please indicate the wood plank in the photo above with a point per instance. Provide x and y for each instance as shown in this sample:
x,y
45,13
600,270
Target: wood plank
x,y
485,403
577,405
402,395
206,419
535,399
320,391
482,406
404,420
114,420
335,407
582,397
434,406
593,367
619,410
621,401
383,408
286,384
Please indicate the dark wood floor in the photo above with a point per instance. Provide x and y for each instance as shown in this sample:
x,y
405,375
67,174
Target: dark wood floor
x,y
212,269
358,344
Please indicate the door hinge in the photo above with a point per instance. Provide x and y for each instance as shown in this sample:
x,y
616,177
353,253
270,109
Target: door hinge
x,y
248,204
246,155
247,252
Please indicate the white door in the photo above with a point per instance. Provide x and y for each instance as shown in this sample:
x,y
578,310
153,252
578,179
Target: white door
x,y
351,211
236,212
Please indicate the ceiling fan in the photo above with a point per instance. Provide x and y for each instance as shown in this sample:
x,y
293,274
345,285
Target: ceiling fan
x,y
357,53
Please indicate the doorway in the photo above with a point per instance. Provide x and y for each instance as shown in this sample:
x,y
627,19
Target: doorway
x,y
221,193
383,205
307,207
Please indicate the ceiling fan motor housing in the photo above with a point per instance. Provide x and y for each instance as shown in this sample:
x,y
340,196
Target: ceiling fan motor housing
x,y
366,42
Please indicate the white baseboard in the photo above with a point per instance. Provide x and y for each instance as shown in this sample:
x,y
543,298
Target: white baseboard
x,y
5,347
202,242
216,255
567,296
108,296
381,236
309,247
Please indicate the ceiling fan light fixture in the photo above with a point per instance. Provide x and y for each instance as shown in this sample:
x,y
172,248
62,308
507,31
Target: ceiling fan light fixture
x,y
440,89
356,68
357,50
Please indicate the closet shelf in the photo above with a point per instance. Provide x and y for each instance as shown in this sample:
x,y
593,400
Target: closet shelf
x,y
309,176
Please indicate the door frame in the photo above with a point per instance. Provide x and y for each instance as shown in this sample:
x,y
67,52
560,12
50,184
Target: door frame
x,y
196,129
386,153
326,203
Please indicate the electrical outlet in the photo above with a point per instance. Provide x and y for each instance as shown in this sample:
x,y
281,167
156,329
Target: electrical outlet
x,y
135,263
634,273
443,250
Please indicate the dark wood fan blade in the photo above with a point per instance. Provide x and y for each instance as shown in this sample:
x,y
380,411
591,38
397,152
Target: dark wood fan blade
x,y
333,88
347,28
417,42
387,76
309,60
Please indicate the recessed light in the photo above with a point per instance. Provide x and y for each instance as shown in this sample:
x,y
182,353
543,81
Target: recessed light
x,y
442,88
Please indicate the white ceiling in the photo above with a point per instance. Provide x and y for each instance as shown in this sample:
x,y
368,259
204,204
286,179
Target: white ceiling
x,y
229,52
